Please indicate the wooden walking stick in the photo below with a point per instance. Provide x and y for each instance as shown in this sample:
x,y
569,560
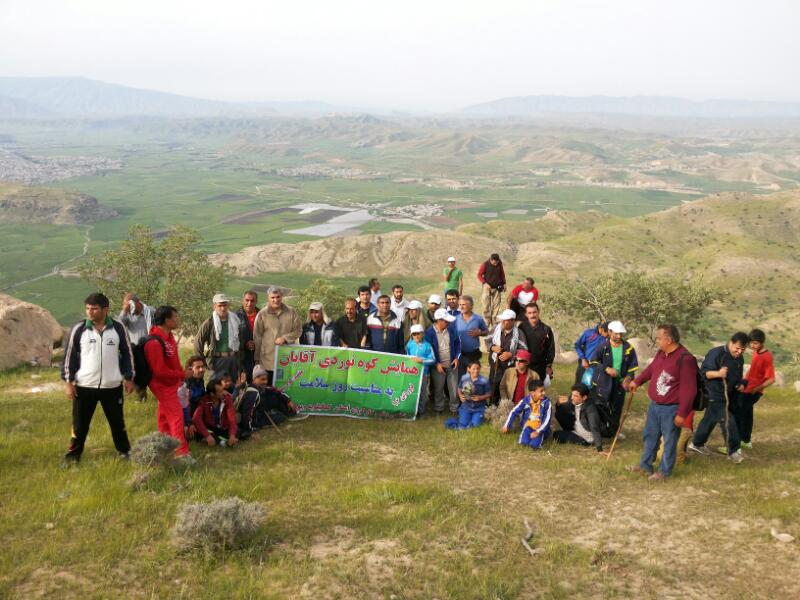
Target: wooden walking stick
x,y
621,421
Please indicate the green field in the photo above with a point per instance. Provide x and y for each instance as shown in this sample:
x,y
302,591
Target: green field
x,y
368,509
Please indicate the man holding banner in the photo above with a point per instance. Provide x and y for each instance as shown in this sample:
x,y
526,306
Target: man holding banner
x,y
447,350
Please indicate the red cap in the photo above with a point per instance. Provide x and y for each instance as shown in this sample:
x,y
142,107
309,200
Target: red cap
x,y
524,355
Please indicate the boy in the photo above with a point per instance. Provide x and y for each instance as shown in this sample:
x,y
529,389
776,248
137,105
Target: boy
x,y
195,380
474,392
215,418
421,351
760,376
534,412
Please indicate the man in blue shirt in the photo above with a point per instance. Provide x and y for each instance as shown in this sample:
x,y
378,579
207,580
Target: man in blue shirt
x,y
585,346
469,327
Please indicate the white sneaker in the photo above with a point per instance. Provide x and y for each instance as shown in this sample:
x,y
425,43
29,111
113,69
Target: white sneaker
x,y
621,436
699,449
736,457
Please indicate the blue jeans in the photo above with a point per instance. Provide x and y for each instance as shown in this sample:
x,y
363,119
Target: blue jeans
x,y
470,414
660,422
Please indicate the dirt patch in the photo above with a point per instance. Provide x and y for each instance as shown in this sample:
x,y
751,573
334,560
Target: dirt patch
x,y
443,221
227,198
45,582
249,217
322,216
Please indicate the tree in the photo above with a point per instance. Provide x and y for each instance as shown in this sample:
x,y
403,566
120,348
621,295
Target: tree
x,y
166,271
641,302
319,290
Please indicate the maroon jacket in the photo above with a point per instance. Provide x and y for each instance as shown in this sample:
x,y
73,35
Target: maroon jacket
x,y
674,379
204,415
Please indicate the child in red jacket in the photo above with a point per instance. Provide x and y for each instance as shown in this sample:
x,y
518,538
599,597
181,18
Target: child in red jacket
x,y
215,417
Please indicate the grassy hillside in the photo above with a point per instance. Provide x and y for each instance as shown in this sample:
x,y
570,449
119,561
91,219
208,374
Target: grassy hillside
x,y
368,509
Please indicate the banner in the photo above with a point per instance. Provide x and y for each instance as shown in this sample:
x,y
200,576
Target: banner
x,y
349,382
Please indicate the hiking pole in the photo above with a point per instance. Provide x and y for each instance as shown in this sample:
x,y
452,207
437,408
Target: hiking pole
x,y
621,421
273,424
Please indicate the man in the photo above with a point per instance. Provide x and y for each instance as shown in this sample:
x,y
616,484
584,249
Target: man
x,y
579,420
540,342
137,317
385,329
434,303
261,405
98,365
414,316
319,331
365,306
453,277
522,295
493,282
218,340
161,353
673,387
760,376
722,370
247,319
451,299
614,363
514,384
586,345
350,328
469,327
275,325
374,290
399,303
447,351
506,341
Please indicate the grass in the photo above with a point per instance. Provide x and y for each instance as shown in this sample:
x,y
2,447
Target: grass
x,y
361,509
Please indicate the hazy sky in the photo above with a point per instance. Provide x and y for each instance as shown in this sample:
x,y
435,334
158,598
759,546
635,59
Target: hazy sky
x,y
432,54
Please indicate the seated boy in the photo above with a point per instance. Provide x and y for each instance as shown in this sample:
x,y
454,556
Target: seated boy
x,y
580,423
259,403
195,380
474,391
534,412
215,417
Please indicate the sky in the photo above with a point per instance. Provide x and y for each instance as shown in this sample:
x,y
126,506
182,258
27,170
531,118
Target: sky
x,y
408,54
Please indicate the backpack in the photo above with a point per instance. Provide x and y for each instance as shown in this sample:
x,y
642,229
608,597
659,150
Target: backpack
x,y
700,401
143,372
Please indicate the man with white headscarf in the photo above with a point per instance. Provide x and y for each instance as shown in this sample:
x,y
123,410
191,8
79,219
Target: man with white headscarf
x,y
319,331
506,340
218,341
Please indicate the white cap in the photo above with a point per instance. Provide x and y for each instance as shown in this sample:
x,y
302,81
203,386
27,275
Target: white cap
x,y
451,259
443,314
414,304
316,306
417,328
220,299
507,314
435,299
617,327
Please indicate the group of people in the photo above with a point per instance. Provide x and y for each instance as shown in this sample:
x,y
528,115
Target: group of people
x,y
236,350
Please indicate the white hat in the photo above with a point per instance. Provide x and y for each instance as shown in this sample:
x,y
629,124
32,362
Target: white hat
x,y
435,299
443,314
220,299
617,327
319,306
414,304
451,259
507,315
417,328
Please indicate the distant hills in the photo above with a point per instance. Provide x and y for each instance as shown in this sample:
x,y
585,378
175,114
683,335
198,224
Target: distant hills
x,y
656,106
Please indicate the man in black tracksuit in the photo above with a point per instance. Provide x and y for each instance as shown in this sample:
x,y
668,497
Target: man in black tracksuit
x,y
540,342
615,365
98,361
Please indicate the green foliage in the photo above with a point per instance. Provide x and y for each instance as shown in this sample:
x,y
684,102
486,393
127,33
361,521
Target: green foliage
x,y
166,271
320,290
641,302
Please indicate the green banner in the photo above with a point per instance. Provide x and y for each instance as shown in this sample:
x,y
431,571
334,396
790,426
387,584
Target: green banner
x,y
349,382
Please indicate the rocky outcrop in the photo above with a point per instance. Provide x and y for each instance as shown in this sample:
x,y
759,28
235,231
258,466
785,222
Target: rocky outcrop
x,y
27,333
22,204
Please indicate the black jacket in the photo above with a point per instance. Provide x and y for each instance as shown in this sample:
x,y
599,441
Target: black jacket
x,y
540,342
716,359
603,358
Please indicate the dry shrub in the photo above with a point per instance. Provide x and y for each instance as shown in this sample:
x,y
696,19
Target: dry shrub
x,y
154,450
497,415
225,523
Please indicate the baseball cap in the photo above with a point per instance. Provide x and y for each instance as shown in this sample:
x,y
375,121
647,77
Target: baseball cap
x,y
417,328
617,327
451,259
415,304
507,314
435,299
443,314
524,355
220,299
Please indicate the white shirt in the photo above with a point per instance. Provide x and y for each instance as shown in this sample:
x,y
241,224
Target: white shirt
x,y
580,430
400,308
524,298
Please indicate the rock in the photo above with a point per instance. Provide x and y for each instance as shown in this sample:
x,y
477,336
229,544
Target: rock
x,y
797,386
567,358
27,333
781,537
644,352
780,379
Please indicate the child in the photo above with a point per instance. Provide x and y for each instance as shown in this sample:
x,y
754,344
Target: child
x,y
534,412
474,392
421,351
215,417
760,376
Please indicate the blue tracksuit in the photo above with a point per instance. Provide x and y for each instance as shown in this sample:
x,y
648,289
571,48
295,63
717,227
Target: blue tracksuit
x,y
530,436
586,345
470,413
